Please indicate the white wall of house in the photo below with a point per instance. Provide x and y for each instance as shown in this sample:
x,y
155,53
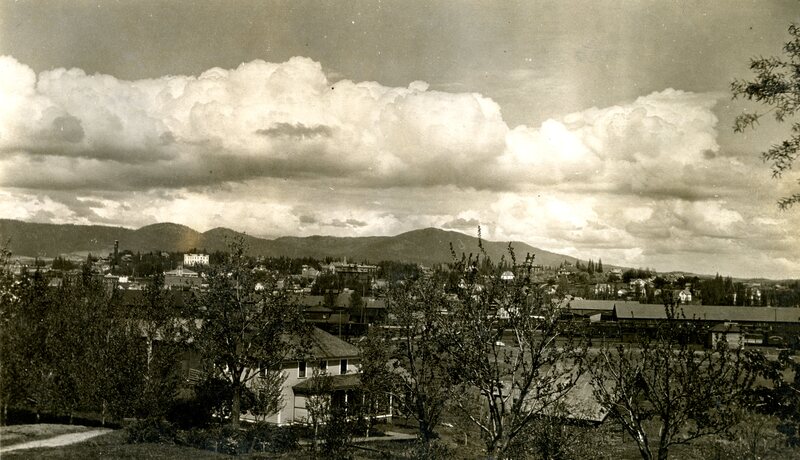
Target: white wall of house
x,y
294,407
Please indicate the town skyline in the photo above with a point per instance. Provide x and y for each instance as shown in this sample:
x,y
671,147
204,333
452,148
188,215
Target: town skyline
x,y
582,128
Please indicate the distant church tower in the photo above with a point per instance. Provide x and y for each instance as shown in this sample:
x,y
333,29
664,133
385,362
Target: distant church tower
x,y
116,253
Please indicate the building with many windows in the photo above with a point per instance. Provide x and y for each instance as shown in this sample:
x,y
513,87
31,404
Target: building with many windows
x,y
195,259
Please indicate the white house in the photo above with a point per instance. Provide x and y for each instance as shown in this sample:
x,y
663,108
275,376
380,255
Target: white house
x,y
327,354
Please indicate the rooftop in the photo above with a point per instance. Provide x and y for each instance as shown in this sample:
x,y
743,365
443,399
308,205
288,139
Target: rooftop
x,y
634,310
325,345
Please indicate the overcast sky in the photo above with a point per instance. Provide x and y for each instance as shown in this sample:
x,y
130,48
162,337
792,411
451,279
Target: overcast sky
x,y
594,129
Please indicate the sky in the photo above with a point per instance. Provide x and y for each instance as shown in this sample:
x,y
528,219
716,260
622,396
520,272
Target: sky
x,y
594,129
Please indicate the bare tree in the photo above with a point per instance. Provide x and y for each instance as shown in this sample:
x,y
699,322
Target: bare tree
x,y
318,403
505,387
664,386
268,394
410,360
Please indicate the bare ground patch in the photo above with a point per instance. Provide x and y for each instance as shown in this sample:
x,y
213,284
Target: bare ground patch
x,y
16,434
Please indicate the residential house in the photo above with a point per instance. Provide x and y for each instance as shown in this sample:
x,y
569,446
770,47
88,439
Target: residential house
x,y
603,289
309,273
328,355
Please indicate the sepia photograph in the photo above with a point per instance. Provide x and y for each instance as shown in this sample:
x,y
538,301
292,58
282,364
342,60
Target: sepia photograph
x,y
418,229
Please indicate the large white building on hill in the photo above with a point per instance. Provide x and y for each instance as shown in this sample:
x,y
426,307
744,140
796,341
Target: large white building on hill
x,y
195,259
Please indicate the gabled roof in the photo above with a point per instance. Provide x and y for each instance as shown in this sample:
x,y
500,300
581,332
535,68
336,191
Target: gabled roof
x,y
310,300
711,313
181,272
325,345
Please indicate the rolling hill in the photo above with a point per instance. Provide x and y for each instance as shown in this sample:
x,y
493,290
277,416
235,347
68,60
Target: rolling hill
x,y
425,246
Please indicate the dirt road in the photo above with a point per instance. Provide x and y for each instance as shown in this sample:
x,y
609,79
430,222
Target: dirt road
x,y
56,441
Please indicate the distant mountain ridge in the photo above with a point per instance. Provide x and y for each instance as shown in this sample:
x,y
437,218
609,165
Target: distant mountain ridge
x,y
426,246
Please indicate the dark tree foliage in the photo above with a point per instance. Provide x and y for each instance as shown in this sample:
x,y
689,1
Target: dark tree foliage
x,y
164,340
717,291
776,84
60,263
394,271
326,282
782,397
242,329
636,273
12,386
74,348
288,265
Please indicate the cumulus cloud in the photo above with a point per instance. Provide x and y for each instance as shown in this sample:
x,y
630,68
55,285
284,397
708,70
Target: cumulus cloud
x,y
286,120
277,149
258,120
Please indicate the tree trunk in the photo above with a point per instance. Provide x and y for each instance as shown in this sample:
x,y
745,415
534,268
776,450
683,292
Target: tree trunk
x,y
645,452
641,442
492,450
236,405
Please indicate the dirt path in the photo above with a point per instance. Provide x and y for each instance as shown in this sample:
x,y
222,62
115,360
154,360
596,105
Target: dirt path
x,y
56,441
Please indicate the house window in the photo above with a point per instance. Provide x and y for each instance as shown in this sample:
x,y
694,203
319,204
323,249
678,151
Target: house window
x,y
301,369
323,366
343,367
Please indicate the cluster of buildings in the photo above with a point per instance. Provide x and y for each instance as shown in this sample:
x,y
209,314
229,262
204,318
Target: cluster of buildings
x,y
615,313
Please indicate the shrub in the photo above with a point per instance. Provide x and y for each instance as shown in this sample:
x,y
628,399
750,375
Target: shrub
x,y
337,434
190,413
224,439
263,437
151,430
232,441
433,450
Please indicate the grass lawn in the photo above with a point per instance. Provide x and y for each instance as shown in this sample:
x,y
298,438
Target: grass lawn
x,y
112,445
605,442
